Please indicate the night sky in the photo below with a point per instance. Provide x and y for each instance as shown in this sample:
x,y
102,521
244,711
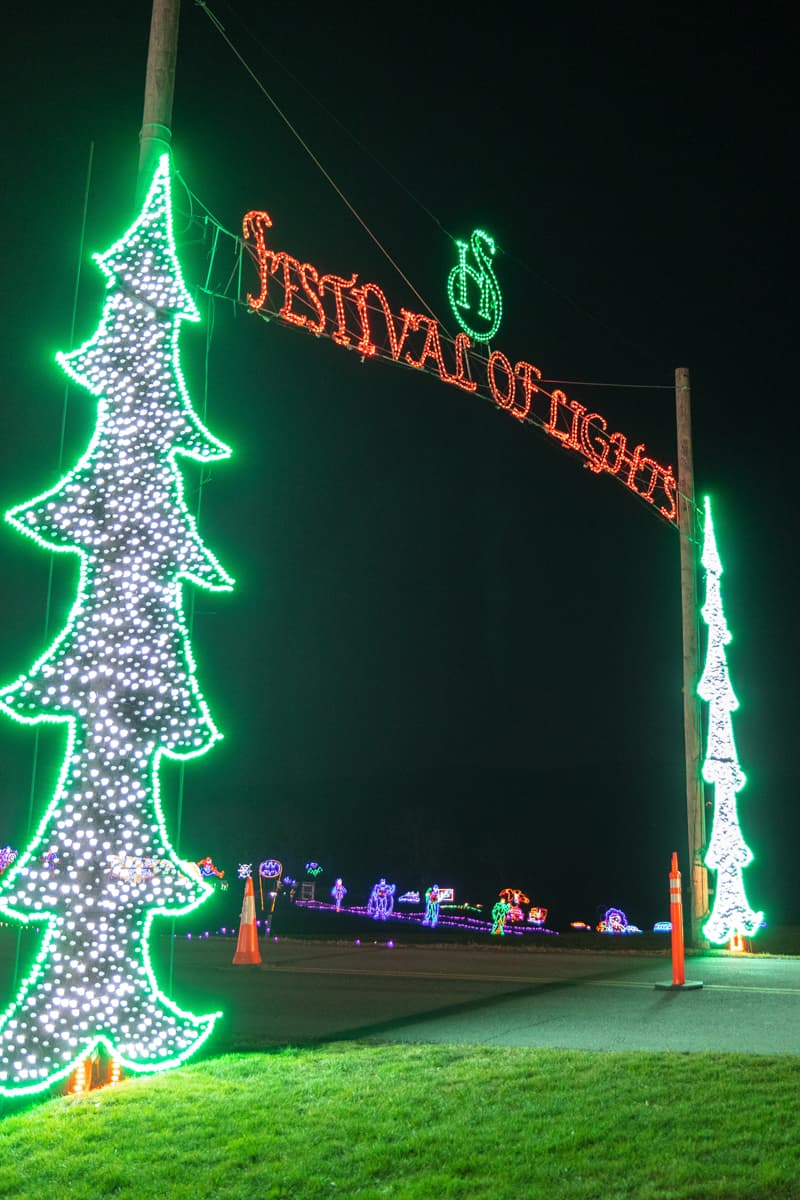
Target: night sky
x,y
452,654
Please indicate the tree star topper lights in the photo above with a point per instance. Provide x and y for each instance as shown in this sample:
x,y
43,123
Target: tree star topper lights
x,y
121,677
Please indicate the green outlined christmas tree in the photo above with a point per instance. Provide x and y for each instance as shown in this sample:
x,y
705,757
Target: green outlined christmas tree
x,y
122,677
727,854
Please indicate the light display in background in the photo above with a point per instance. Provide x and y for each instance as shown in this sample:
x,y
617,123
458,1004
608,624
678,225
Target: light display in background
x,y
537,915
433,899
7,857
467,284
121,677
381,900
499,914
615,921
338,892
313,869
207,868
408,898
727,853
515,898
245,870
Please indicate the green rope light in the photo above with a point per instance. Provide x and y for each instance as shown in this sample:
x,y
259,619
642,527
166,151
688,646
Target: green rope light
x,y
121,675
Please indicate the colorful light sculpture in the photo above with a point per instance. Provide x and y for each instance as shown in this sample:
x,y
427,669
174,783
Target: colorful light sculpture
x,y
381,900
515,898
121,677
338,891
207,868
433,899
499,914
7,857
614,921
727,854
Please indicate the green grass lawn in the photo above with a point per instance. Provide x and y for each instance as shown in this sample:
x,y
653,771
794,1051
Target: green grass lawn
x,y
364,1122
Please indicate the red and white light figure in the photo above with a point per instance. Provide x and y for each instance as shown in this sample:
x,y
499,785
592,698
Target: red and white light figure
x,y
727,854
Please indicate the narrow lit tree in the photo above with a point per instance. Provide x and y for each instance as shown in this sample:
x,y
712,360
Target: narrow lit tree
x,y
121,677
727,853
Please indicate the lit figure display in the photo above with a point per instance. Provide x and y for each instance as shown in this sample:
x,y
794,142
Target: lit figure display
x,y
432,902
515,898
207,868
7,857
121,678
537,915
728,853
381,900
615,921
499,914
338,891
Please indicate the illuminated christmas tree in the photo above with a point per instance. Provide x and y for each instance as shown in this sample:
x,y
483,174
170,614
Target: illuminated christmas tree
x,y
727,852
121,676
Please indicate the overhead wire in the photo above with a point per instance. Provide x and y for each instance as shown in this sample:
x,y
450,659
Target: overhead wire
x,y
241,245
221,30
513,258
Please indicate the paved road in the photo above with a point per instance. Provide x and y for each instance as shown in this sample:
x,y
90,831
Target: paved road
x,y
306,991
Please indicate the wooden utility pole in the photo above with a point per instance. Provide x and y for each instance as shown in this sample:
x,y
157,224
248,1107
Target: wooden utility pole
x,y
156,134
687,525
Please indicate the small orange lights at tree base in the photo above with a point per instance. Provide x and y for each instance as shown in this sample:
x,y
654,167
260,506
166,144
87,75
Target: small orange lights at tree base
x,y
93,1072
82,1079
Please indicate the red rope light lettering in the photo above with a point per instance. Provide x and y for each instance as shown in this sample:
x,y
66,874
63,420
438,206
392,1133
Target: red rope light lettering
x,y
462,345
366,345
338,284
502,399
433,349
566,420
253,225
569,436
595,460
670,510
290,289
526,372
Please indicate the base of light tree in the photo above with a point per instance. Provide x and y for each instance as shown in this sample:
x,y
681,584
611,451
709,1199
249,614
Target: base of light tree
x,y
689,986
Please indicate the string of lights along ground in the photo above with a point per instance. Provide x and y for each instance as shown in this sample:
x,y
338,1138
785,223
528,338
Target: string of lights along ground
x,y
121,675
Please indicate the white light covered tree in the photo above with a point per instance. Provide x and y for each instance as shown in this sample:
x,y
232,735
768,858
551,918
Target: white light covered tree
x,y
121,676
727,853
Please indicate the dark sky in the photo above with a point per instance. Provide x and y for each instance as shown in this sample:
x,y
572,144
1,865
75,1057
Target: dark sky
x,y
452,654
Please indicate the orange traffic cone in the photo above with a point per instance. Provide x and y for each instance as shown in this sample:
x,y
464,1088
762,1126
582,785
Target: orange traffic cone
x,y
247,950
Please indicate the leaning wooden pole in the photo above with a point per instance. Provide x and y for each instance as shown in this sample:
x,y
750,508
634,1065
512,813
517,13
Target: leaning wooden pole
x,y
689,541
162,51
